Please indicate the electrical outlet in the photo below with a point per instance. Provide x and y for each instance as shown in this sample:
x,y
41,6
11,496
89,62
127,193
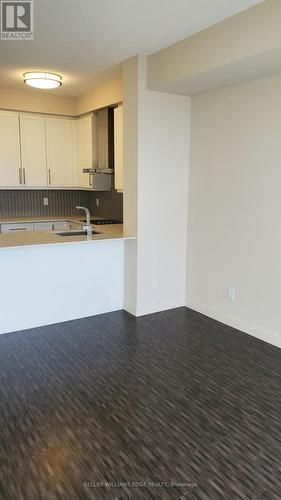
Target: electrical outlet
x,y
45,202
97,202
231,293
154,283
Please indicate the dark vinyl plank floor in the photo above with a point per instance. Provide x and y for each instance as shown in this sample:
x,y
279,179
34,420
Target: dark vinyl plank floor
x,y
172,405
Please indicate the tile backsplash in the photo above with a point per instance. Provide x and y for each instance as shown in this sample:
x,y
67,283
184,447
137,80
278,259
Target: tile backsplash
x,y
28,203
110,204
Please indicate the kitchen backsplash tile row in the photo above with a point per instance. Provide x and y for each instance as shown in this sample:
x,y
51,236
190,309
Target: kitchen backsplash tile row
x,y
28,203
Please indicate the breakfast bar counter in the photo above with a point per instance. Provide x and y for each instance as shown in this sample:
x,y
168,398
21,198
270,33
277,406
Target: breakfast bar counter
x,y
47,238
35,238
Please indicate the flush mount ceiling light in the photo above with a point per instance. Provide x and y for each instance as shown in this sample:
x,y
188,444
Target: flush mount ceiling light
x,y
41,80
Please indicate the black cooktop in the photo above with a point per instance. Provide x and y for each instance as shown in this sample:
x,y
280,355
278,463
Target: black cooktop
x,y
101,222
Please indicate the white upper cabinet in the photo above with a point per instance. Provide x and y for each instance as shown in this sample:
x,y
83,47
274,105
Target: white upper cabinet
x,y
33,150
10,164
60,143
38,151
118,148
86,129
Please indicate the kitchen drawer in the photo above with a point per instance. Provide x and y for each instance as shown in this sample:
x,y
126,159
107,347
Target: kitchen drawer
x,y
62,226
43,226
16,228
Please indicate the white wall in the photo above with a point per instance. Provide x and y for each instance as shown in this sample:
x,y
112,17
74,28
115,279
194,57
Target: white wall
x,y
100,96
162,214
34,100
207,57
160,126
234,226
53,283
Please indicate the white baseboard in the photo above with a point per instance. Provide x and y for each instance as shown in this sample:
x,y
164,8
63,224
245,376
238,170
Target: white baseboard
x,y
130,308
260,333
145,310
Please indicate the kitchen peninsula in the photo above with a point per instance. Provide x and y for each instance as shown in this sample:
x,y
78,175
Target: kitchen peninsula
x,y
50,278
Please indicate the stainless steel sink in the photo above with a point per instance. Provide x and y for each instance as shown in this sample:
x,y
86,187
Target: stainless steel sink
x,y
75,233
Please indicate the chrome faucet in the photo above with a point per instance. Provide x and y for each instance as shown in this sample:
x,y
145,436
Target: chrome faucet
x,y
86,227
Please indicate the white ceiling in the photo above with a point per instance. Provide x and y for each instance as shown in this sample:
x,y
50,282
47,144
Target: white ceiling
x,y
86,40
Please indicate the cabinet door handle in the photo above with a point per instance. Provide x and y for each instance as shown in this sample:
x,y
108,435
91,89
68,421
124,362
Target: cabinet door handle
x,y
23,175
20,178
49,172
18,229
90,180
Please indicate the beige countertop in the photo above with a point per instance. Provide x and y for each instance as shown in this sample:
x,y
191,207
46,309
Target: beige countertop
x,y
105,232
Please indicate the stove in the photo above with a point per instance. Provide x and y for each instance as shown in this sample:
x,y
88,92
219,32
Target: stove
x,y
101,222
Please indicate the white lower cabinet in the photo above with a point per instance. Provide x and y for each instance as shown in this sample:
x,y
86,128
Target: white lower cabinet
x,y
48,226
62,226
66,226
43,226
17,228
75,227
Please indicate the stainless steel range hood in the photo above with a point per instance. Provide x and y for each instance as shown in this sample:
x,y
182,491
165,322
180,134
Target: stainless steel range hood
x,y
101,178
